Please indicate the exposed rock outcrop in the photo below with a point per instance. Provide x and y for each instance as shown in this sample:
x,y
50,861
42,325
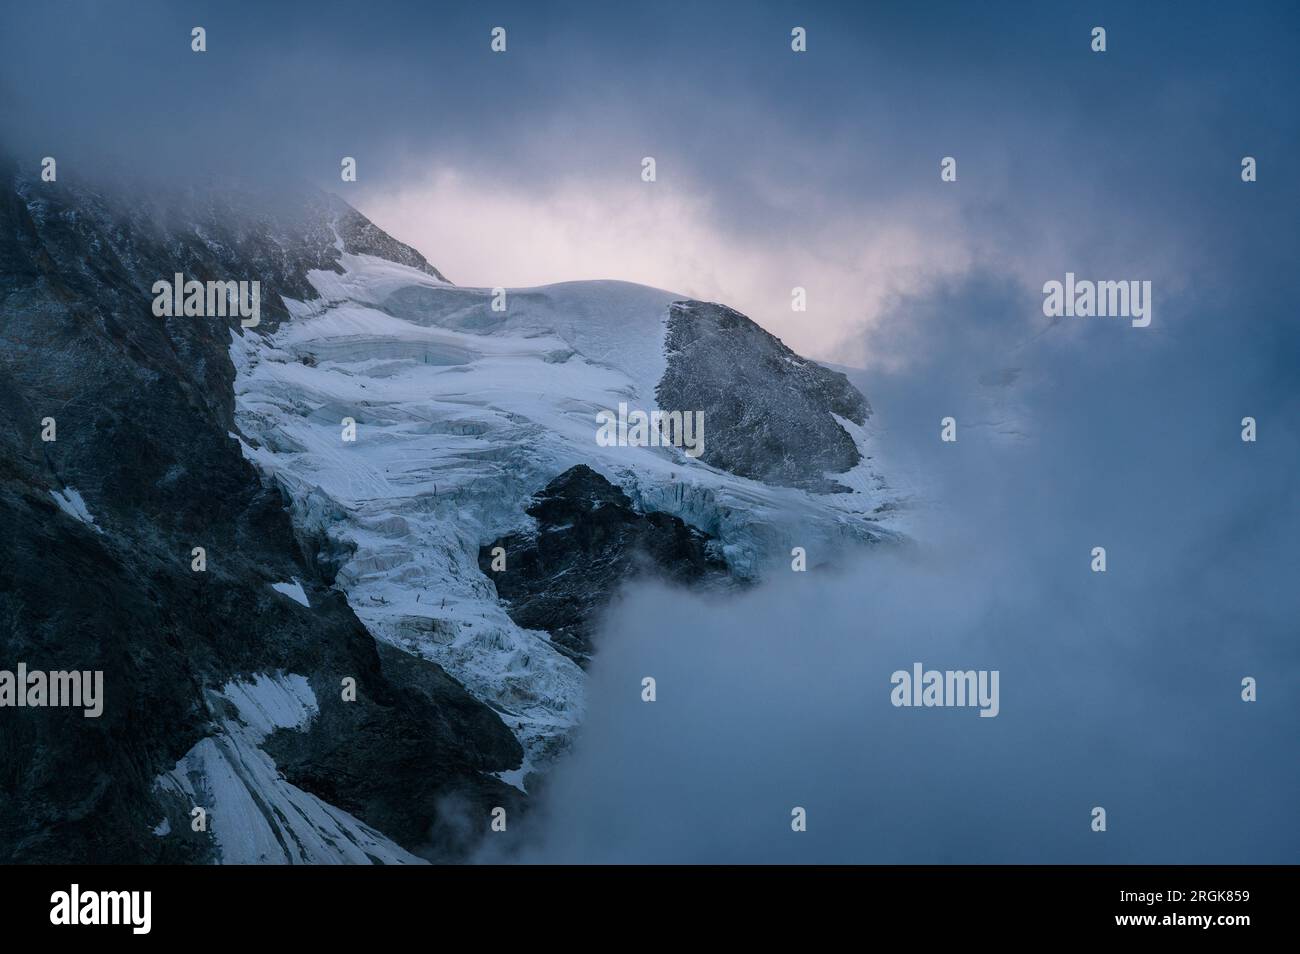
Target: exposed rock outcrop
x,y
770,412
588,539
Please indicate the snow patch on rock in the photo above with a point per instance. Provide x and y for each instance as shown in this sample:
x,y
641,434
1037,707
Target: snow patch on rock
x,y
270,702
293,589
71,503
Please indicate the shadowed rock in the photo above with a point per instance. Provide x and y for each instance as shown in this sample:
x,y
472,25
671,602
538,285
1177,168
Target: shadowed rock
x,y
588,539
144,411
768,412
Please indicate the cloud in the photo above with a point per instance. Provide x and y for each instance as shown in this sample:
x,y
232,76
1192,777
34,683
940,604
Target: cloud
x,y
1119,690
854,264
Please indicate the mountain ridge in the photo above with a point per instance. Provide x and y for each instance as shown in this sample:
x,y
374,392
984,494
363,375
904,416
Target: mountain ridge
x,y
181,432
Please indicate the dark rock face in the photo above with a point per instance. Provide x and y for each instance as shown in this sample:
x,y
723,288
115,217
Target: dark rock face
x,y
224,232
428,730
767,411
588,539
143,408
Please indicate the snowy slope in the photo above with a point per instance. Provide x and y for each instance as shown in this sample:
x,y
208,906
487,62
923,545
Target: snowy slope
x,y
462,413
254,815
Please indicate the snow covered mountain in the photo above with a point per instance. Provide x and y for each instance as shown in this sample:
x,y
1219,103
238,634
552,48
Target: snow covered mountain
x,y
463,413
353,468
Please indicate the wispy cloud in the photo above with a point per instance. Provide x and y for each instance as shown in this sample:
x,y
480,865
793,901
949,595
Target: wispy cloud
x,y
482,231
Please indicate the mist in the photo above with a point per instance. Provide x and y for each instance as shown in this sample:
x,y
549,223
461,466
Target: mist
x,y
1119,690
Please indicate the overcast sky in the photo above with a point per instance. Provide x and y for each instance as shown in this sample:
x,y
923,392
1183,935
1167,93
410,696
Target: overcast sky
x,y
775,169
821,170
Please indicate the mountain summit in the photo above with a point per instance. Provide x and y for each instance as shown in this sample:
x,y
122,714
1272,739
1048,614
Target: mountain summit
x,y
272,540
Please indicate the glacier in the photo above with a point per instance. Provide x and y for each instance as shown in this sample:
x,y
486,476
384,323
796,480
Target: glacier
x,y
461,413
